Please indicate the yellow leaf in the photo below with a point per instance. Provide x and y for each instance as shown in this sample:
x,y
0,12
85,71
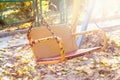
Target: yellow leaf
x,y
1,79
53,70
32,68
20,72
25,25
49,67
26,68
115,66
12,78
117,43
4,50
104,63
10,12
28,60
27,3
24,61
19,57
19,50
6,72
16,64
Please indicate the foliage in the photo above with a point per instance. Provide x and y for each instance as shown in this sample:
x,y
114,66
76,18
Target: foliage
x,y
15,12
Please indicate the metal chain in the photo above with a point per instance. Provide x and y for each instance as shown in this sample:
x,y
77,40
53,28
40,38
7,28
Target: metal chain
x,y
62,50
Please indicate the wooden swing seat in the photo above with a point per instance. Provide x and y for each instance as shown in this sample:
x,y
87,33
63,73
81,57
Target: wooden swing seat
x,y
72,54
46,50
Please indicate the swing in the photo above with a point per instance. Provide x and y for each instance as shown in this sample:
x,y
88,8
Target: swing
x,y
55,44
52,45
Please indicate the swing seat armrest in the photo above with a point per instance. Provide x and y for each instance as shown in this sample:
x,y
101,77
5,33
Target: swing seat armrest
x,y
104,37
43,40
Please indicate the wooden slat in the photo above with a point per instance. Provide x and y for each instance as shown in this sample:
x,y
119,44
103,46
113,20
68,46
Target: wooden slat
x,y
73,54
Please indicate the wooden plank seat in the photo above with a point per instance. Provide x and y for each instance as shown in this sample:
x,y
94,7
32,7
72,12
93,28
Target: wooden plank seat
x,y
73,54
47,50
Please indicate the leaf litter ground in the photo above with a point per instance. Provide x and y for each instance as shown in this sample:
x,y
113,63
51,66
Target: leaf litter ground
x,y
17,63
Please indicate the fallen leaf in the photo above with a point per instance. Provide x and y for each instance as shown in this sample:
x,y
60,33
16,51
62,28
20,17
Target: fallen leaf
x,y
104,63
20,72
51,68
117,43
19,57
1,78
16,64
25,61
26,68
6,72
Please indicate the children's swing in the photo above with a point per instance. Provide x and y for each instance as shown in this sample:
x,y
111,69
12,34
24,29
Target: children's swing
x,y
55,44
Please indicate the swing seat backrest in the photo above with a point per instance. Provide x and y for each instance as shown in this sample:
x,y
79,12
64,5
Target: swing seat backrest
x,y
50,48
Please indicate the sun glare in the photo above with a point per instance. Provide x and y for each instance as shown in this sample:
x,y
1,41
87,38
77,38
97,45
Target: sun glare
x,y
106,8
